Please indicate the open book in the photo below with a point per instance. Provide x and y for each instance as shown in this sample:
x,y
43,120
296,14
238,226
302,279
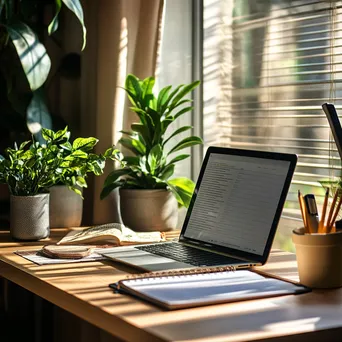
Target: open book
x,y
113,233
195,287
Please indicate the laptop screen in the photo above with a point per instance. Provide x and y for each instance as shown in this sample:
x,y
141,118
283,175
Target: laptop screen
x,y
236,203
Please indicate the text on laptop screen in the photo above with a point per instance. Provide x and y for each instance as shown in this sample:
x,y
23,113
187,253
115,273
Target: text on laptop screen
x,y
237,201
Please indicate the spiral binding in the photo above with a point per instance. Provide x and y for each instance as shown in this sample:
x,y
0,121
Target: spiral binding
x,y
175,273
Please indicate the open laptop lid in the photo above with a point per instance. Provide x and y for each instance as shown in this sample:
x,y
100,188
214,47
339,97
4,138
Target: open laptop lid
x,y
237,202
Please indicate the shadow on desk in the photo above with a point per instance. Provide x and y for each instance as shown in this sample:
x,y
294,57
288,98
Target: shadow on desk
x,y
25,317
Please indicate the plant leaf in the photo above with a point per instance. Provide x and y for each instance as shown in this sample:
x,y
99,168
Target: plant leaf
x,y
108,189
167,172
162,97
84,144
186,89
132,160
135,145
115,175
173,93
187,142
178,158
143,131
183,111
76,7
53,26
32,54
154,158
184,187
147,88
178,131
132,85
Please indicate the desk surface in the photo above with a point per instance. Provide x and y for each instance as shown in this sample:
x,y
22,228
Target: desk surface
x,y
82,289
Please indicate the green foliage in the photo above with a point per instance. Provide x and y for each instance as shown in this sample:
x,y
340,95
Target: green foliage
x,y
152,162
32,168
21,25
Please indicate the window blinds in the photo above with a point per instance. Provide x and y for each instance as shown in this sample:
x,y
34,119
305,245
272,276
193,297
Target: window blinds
x,y
269,65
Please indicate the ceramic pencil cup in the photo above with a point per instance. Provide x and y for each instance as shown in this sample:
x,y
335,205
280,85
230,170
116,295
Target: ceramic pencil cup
x,y
319,258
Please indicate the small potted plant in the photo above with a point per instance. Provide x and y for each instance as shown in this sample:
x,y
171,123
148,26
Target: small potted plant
x,y
32,168
148,193
66,201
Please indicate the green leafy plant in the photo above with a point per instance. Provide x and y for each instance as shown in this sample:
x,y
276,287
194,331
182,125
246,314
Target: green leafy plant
x,y
153,162
24,61
32,168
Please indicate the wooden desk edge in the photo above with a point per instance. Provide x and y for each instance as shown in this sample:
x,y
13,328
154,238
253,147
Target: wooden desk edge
x,y
76,306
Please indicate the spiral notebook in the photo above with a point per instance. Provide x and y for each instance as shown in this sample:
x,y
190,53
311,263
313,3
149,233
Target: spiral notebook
x,y
185,289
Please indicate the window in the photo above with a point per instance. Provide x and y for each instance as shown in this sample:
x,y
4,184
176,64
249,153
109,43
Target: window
x,y
268,66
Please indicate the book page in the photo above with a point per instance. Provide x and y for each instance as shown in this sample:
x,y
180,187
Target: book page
x,y
115,233
130,237
107,232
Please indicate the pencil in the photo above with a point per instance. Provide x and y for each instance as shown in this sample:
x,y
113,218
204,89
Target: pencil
x,y
302,209
337,210
324,210
331,211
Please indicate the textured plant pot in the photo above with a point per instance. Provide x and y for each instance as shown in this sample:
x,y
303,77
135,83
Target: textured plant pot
x,y
29,217
148,210
66,207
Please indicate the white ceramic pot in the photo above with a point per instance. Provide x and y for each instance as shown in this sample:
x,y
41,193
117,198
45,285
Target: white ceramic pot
x,y
66,207
29,217
148,210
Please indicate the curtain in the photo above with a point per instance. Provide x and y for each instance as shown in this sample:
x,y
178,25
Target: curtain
x,y
123,37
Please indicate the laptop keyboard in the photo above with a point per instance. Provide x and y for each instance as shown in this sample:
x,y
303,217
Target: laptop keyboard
x,y
188,255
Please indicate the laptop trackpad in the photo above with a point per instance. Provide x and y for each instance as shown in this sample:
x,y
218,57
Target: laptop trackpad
x,y
148,261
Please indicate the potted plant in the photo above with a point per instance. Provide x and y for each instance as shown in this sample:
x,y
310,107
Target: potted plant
x,y
148,194
32,168
66,201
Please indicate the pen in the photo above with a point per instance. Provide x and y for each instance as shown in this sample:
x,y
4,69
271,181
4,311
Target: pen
x,y
324,210
302,210
337,210
331,211
312,214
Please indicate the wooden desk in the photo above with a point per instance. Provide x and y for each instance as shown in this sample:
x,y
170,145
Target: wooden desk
x,y
82,289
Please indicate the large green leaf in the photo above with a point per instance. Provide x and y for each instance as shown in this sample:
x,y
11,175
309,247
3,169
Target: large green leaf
x,y
186,89
178,131
184,188
133,145
154,157
167,172
147,90
76,7
173,93
54,23
162,97
178,158
143,131
38,115
187,142
130,160
132,85
32,54
115,175
183,111
108,189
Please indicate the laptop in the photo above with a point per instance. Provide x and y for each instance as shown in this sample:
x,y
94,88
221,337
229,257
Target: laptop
x,y
232,217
